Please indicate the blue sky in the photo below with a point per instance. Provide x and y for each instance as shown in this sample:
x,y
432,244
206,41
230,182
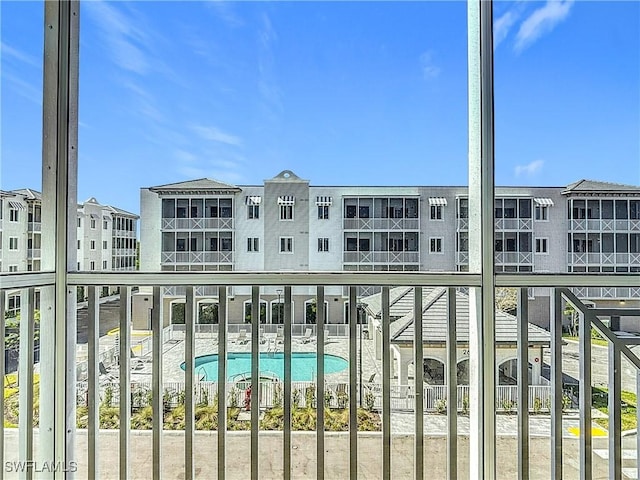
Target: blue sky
x,y
341,93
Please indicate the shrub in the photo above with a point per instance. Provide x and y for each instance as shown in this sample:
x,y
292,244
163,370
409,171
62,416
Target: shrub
x,y
295,398
232,401
310,396
328,396
342,398
369,400
277,396
537,405
441,405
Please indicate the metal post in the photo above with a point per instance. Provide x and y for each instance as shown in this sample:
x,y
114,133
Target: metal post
x,y
320,383
556,383
418,379
615,419
125,381
3,295
255,380
585,400
386,386
222,381
25,378
157,319
59,186
93,385
523,384
189,351
452,383
353,406
482,460
287,383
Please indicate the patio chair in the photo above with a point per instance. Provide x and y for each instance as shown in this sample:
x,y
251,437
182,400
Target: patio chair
x,y
138,361
308,338
242,338
105,375
280,335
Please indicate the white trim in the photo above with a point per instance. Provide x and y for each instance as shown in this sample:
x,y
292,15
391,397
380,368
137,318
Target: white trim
x,y
289,252
435,252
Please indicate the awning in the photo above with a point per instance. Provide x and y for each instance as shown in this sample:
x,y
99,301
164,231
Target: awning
x,y
93,215
17,205
286,200
106,218
544,201
437,201
324,200
252,200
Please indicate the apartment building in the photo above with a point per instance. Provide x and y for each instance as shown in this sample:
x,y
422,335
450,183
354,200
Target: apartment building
x,y
106,236
288,224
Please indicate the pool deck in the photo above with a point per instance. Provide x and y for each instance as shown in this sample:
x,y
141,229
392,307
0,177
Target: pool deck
x,y
174,355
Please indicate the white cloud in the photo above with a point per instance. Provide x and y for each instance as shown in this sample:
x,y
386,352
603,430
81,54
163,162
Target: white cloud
x,y
530,168
429,68
214,134
502,26
542,21
9,51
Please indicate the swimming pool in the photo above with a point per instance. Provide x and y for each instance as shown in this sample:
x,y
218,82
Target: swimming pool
x,y
303,365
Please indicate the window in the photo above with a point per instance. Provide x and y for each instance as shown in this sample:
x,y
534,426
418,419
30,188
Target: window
x,y
435,245
13,268
286,244
541,245
78,244
93,265
323,244
323,212
104,264
93,223
436,212
253,212
104,244
181,245
286,212
79,222
542,213
13,215
253,244
13,243
105,225
93,244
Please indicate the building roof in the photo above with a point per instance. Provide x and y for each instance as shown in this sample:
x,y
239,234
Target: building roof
x,y
28,193
119,211
591,186
201,185
286,176
434,318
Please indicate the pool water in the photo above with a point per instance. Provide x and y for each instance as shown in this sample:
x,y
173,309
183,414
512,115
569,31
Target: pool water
x,y
303,365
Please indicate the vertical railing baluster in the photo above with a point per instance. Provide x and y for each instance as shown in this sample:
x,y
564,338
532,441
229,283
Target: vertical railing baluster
x,y
222,381
3,294
637,423
255,379
320,383
556,383
523,383
353,377
93,384
452,384
615,406
156,380
585,400
124,359
386,387
418,378
287,383
25,381
189,347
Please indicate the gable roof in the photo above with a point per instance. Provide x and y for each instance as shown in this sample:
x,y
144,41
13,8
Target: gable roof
x,y
28,193
119,211
200,185
434,318
594,186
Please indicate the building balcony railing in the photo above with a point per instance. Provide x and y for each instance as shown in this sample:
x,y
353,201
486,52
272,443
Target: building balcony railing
x,y
514,258
123,234
381,257
513,224
197,224
34,226
610,259
381,224
132,375
197,257
604,225
608,293
123,252
33,253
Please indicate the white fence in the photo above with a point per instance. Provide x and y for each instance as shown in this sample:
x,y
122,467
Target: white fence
x,y
336,395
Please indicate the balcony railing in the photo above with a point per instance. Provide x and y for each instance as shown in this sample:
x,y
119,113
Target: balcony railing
x,y
197,223
33,253
513,224
197,257
381,257
34,226
604,225
135,380
381,224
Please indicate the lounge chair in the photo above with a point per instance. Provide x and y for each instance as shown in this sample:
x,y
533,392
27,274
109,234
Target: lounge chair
x,y
280,335
308,338
138,361
242,338
106,375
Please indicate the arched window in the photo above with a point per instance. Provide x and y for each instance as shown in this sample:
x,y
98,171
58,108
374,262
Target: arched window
x,y
311,309
263,311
